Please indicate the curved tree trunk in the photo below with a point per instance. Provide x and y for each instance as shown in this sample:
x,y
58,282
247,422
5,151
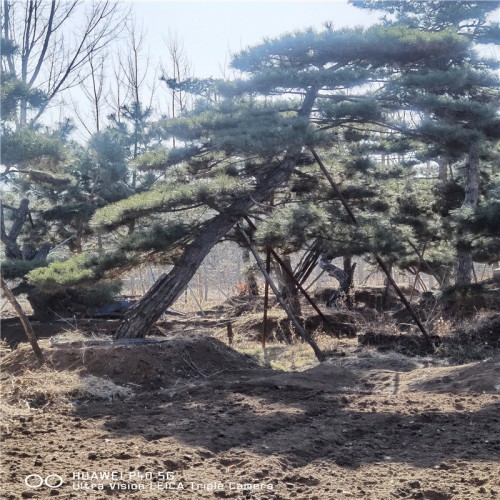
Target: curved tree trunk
x,y
167,289
141,317
344,277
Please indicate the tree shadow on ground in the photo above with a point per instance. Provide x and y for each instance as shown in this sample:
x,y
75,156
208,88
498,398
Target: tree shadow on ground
x,y
302,423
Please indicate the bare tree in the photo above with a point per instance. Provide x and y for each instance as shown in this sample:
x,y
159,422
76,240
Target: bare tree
x,y
56,40
179,69
93,88
133,80
135,67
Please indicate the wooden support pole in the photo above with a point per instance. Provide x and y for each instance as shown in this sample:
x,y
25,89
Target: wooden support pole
x,y
24,320
196,300
297,284
266,284
380,262
422,261
230,334
266,298
300,330
417,274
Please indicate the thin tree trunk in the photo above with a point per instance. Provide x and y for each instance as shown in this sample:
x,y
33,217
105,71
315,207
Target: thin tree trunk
x,y
289,289
387,288
251,286
443,168
349,268
24,320
140,318
465,270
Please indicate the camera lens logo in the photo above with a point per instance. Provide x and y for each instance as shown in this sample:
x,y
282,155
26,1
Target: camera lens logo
x,y
36,481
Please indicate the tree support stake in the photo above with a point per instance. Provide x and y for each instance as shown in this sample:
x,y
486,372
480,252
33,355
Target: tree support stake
x,y
300,330
297,284
380,262
24,320
266,298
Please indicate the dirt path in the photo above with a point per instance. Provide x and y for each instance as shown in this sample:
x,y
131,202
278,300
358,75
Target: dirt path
x,y
328,433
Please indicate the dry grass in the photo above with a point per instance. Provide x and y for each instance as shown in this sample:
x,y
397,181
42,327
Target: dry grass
x,y
297,356
48,387
473,339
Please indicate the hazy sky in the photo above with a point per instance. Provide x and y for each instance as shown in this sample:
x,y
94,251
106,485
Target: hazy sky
x,y
209,30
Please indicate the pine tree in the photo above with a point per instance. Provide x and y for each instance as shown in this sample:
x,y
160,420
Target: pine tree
x,y
296,95
52,188
457,105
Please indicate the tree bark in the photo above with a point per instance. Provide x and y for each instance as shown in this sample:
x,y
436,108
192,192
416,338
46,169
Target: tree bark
x,y
289,289
251,286
349,268
465,268
343,276
12,250
443,162
140,318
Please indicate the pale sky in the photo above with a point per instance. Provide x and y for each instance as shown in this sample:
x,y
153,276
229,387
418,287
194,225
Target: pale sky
x,y
209,30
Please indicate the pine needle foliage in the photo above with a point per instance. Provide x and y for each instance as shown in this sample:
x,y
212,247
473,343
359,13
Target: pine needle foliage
x,y
170,197
158,238
24,147
80,270
14,269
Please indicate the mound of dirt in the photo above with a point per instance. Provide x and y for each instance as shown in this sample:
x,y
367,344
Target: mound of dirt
x,y
153,363
373,297
465,300
341,324
482,377
409,344
485,329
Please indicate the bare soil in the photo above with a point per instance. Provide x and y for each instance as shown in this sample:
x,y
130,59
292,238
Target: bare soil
x,y
206,421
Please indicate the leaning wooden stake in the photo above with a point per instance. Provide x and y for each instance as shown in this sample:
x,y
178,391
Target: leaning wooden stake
x,y
266,298
266,285
297,284
380,262
300,330
417,273
24,320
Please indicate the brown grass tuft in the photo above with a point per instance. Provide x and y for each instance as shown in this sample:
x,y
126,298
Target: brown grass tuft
x,y
47,387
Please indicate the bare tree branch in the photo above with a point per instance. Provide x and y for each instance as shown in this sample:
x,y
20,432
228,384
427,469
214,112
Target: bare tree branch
x,y
9,239
53,53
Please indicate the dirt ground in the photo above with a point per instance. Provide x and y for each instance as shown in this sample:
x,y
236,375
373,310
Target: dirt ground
x,y
192,418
